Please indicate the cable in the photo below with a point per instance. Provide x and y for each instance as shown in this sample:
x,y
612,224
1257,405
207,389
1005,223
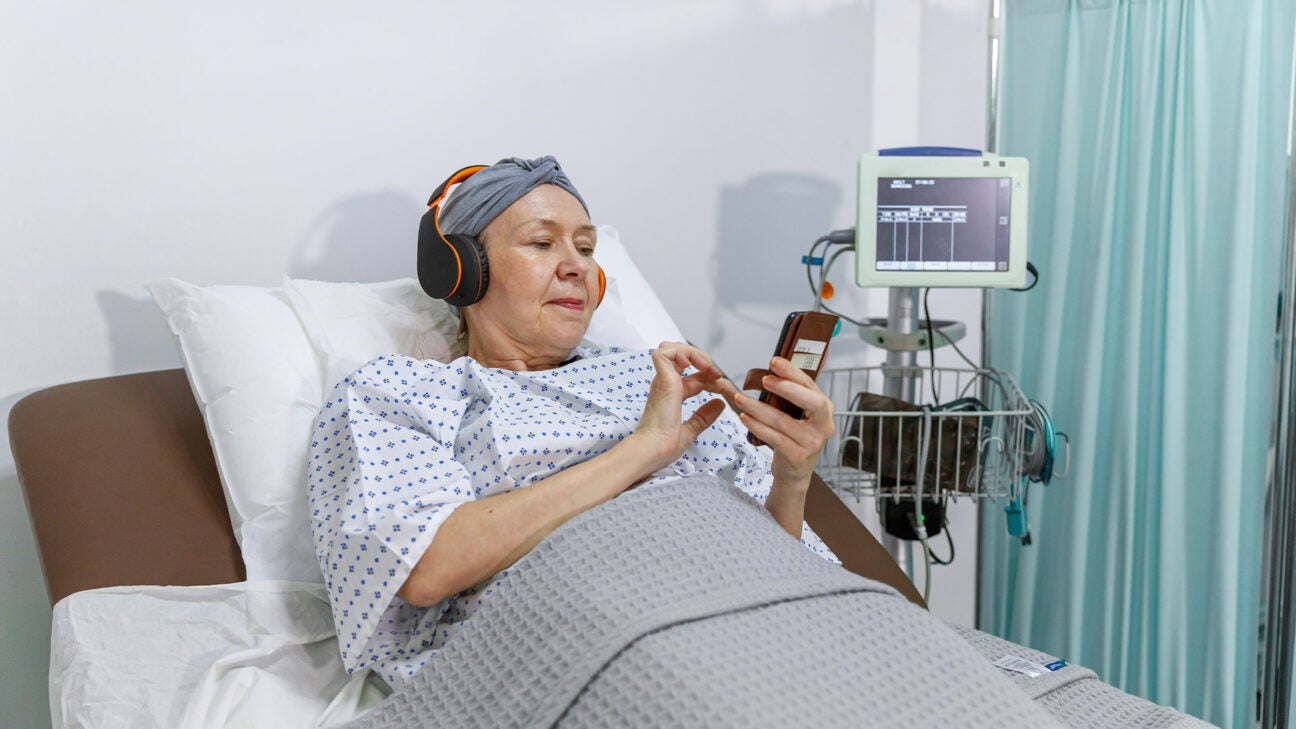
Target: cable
x,y
825,267
1035,461
1014,559
927,563
931,345
1039,462
834,312
1034,272
949,539
931,339
919,527
970,363
991,375
1041,436
823,270
842,237
846,237
809,264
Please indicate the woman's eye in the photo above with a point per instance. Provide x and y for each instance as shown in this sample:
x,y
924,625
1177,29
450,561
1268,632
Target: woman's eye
x,y
587,252
541,243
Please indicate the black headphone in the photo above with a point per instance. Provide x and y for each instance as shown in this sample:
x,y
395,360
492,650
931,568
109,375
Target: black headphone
x,y
453,267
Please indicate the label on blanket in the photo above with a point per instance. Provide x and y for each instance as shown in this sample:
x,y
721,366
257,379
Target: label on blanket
x,y
1021,665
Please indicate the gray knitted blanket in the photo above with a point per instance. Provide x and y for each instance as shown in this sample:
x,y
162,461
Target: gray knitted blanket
x,y
686,605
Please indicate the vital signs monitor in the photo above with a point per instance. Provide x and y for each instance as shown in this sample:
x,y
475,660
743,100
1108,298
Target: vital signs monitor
x,y
941,217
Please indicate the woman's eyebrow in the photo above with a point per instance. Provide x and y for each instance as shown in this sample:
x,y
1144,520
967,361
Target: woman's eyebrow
x,y
551,223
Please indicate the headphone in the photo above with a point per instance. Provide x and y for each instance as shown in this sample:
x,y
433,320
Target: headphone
x,y
454,267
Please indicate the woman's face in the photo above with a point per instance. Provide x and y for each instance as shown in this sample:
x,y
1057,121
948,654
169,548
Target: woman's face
x,y
543,281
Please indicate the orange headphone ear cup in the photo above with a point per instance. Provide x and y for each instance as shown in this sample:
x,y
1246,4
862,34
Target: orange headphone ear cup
x,y
602,285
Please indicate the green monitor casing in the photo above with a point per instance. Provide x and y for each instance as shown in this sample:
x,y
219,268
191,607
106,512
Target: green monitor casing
x,y
942,221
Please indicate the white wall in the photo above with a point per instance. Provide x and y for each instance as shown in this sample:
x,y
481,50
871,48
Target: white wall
x,y
242,142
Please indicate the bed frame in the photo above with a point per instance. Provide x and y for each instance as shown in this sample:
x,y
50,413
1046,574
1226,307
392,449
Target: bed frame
x,y
122,489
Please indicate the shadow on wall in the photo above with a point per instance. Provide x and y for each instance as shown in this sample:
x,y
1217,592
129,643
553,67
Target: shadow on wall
x,y
766,225
363,239
137,333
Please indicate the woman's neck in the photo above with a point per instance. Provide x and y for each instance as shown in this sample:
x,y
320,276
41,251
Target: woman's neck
x,y
513,356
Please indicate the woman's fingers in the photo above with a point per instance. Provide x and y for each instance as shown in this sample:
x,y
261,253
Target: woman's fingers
x,y
663,411
704,382
800,388
764,419
686,355
780,430
664,394
725,388
789,371
672,359
816,406
769,435
701,420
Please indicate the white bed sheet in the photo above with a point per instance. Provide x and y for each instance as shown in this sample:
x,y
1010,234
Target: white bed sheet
x,y
252,654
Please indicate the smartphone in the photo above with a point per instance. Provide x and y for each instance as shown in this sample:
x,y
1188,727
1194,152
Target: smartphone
x,y
804,343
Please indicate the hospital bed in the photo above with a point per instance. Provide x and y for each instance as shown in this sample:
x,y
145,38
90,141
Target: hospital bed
x,y
164,615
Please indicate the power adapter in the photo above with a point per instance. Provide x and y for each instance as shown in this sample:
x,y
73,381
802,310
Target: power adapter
x,y
898,518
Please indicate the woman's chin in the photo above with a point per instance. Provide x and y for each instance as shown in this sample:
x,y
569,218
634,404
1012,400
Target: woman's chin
x,y
567,334
568,342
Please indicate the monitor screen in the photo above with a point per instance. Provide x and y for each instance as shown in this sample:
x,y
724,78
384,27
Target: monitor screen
x,y
928,226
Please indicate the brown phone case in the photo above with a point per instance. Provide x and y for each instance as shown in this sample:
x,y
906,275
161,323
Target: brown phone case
x,y
803,342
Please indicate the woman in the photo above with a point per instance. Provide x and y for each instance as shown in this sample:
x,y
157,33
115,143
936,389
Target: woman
x,y
683,604
395,550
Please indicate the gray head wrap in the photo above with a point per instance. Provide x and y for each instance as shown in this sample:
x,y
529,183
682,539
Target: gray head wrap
x,y
483,196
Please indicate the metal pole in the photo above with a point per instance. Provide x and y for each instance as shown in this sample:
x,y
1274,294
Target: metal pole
x,y
902,318
992,98
994,31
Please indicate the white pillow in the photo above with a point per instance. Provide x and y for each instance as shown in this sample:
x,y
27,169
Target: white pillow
x,y
261,361
257,382
636,302
348,324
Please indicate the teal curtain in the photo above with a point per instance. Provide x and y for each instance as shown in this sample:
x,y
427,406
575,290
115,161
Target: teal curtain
x,y
1157,135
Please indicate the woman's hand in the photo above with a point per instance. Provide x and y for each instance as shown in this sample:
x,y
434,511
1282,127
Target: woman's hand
x,y
488,534
661,430
796,443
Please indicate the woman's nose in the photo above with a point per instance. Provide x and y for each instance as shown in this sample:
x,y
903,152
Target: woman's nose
x,y
574,263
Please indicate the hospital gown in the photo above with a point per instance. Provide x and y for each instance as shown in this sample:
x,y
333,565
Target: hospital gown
x,y
401,443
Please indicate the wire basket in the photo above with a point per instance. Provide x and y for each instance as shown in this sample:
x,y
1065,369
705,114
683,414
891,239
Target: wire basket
x,y
971,447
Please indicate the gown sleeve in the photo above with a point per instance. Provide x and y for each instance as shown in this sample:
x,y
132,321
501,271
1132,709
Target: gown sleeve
x,y
382,478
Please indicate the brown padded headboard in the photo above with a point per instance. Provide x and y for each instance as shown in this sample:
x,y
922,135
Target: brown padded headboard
x,y
122,489
121,485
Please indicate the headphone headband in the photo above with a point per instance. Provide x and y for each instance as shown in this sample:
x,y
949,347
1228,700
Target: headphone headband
x,y
439,194
454,267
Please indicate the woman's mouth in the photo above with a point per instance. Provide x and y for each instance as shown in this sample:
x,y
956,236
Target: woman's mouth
x,y
573,304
